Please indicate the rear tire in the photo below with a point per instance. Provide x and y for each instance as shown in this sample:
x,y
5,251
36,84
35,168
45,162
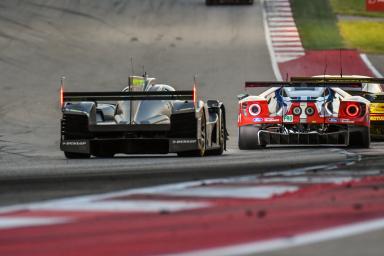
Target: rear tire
x,y
71,155
219,151
248,138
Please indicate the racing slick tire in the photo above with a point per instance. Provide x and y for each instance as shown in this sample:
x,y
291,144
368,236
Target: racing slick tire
x,y
219,151
71,155
248,138
202,141
360,137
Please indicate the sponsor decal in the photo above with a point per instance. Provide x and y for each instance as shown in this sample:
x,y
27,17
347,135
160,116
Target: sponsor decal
x,y
257,119
377,118
75,143
271,119
184,141
347,121
332,120
377,108
288,119
136,81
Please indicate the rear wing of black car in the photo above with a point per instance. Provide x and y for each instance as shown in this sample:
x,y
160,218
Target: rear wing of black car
x,y
127,96
135,91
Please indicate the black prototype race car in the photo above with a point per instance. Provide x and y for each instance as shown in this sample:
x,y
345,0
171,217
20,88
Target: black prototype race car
x,y
144,118
218,2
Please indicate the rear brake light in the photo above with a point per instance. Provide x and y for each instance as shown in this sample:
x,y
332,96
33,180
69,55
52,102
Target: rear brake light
x,y
62,91
352,110
61,96
254,109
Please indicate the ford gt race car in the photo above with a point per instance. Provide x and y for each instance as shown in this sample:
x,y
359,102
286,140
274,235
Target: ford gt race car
x,y
144,118
218,2
311,111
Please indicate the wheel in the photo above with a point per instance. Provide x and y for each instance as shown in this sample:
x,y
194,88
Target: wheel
x,y
360,137
248,138
202,142
71,155
219,151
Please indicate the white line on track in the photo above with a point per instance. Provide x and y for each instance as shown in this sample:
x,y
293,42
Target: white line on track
x,y
275,67
21,222
370,66
122,206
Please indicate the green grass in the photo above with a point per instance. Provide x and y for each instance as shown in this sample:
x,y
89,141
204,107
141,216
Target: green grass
x,y
353,7
367,36
317,24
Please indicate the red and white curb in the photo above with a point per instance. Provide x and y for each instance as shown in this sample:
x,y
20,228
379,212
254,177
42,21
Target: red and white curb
x,y
232,216
282,35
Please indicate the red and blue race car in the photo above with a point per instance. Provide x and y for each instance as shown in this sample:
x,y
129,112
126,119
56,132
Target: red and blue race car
x,y
304,111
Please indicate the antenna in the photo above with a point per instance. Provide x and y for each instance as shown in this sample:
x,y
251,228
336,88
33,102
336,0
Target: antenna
x,y
341,63
324,74
144,73
132,67
325,67
286,77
